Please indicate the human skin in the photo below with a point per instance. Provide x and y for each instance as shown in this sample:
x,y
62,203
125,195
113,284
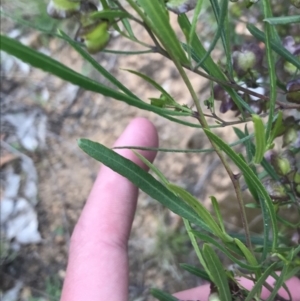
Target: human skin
x,y
98,259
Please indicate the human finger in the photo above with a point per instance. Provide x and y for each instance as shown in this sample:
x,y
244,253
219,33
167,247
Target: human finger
x,y
98,265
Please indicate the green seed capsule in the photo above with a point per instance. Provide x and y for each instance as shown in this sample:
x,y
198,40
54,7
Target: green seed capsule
x,y
275,190
95,37
297,178
285,164
61,9
289,136
293,88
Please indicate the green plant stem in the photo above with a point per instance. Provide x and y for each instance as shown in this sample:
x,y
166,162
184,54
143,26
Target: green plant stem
x,y
234,179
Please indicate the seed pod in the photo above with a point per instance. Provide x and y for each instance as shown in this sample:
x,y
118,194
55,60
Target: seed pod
x,y
285,164
285,69
293,91
275,190
95,36
289,136
249,57
296,3
61,9
297,178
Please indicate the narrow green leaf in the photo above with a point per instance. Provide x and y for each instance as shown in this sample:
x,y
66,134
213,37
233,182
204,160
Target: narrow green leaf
x,y
156,16
141,179
228,251
277,47
255,240
202,212
152,168
260,139
194,23
282,20
264,163
248,145
292,272
270,35
47,64
195,271
128,28
279,283
216,268
266,228
252,177
104,4
248,255
218,10
259,283
196,246
276,277
96,65
221,19
276,128
152,82
198,51
162,296
250,184
218,213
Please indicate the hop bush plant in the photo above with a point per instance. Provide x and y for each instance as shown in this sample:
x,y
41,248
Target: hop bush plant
x,y
258,80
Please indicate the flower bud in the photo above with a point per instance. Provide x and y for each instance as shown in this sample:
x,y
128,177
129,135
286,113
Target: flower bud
x,y
275,190
293,91
94,36
249,57
61,9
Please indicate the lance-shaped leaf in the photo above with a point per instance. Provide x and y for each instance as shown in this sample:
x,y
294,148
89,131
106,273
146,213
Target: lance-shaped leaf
x,y
283,20
141,179
47,64
157,18
260,138
202,212
277,47
217,271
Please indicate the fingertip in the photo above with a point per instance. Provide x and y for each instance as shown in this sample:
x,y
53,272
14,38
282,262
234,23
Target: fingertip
x,y
139,132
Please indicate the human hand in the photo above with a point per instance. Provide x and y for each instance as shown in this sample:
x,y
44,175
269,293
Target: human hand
x,y
98,263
